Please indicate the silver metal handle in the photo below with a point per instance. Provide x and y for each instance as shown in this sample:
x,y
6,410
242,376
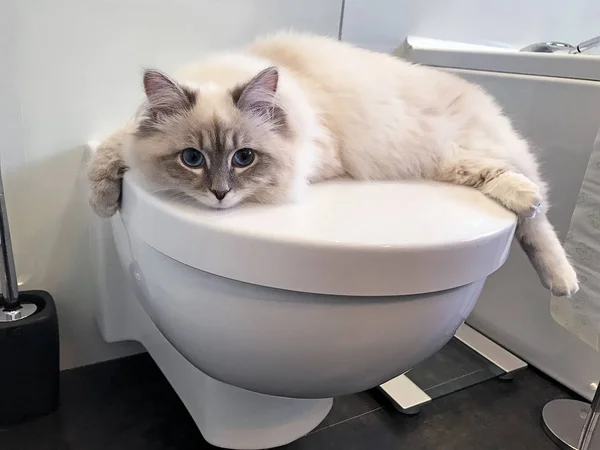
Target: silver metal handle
x,y
10,288
591,423
588,45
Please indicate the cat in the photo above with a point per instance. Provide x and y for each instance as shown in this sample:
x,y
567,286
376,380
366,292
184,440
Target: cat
x,y
291,109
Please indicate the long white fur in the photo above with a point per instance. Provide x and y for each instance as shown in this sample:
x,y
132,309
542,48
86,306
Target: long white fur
x,y
371,116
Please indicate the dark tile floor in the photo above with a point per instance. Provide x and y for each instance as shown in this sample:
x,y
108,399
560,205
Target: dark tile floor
x,y
128,405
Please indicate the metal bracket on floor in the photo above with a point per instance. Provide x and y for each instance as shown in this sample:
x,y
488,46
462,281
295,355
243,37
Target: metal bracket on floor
x,y
408,398
491,351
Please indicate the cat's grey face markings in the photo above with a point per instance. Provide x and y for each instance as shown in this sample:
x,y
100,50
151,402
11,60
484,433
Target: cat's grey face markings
x,y
223,177
226,174
236,137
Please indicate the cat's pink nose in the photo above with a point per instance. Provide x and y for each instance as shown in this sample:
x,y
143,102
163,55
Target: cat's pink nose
x,y
220,194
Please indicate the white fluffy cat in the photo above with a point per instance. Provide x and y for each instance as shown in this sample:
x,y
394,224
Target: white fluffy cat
x,y
292,109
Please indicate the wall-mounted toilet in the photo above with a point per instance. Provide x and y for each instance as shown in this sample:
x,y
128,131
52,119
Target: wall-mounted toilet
x,y
259,315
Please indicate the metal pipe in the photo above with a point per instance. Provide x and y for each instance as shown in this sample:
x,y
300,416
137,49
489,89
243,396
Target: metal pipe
x,y
588,45
591,423
10,288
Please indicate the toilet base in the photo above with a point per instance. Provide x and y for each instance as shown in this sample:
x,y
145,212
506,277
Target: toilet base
x,y
227,416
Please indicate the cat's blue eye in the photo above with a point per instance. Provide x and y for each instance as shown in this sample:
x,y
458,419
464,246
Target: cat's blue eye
x,y
192,158
243,157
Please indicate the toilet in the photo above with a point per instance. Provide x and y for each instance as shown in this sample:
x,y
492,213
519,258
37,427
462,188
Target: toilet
x,y
259,315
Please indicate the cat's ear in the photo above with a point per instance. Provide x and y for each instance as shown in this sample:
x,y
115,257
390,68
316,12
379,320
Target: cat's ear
x,y
257,97
166,96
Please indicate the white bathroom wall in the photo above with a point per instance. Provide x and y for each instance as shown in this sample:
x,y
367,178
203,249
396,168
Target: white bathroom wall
x,y
383,24
70,72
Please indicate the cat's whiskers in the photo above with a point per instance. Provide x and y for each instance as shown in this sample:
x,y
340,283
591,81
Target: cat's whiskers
x,y
174,195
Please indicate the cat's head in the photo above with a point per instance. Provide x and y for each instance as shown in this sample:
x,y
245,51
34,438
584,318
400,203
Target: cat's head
x,y
217,145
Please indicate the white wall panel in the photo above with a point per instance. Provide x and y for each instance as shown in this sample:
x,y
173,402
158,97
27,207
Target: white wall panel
x,y
383,24
71,71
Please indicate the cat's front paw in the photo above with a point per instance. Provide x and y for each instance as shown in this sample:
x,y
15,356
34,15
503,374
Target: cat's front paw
x,y
562,281
105,196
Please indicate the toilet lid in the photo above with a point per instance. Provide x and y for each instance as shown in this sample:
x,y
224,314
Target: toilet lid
x,y
345,238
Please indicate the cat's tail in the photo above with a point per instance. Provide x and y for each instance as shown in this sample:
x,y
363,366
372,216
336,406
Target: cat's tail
x,y
540,242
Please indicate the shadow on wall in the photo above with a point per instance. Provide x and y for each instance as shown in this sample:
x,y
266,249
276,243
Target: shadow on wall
x,y
50,225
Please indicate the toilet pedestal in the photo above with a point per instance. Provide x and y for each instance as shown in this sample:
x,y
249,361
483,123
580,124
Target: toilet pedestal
x,y
227,416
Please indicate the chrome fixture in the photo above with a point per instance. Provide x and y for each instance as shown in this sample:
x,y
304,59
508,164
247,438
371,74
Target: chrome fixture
x,y
563,47
549,47
588,45
11,308
571,423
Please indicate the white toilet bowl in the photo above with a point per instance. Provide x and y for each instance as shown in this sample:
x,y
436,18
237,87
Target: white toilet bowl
x,y
259,315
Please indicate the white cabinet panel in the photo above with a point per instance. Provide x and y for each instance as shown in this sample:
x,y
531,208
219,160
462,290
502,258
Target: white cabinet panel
x,y
561,118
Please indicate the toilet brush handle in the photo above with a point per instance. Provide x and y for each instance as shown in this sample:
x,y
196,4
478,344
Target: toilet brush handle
x,y
591,422
10,288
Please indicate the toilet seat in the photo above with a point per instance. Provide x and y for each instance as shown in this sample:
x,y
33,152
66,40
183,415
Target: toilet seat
x,y
345,238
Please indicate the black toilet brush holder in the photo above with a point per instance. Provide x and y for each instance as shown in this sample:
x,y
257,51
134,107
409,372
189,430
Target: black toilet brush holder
x,y
29,354
29,345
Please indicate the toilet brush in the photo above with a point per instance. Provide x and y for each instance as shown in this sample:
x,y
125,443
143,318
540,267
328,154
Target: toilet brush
x,y
29,345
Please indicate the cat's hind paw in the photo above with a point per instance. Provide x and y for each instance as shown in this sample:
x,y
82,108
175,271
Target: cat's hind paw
x,y
517,193
562,282
522,196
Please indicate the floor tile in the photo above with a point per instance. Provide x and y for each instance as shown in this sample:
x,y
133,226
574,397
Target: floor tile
x,y
128,405
350,406
122,404
496,415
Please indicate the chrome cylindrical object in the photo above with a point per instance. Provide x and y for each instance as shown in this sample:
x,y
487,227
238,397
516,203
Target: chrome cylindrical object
x,y
588,45
10,288
590,424
550,47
